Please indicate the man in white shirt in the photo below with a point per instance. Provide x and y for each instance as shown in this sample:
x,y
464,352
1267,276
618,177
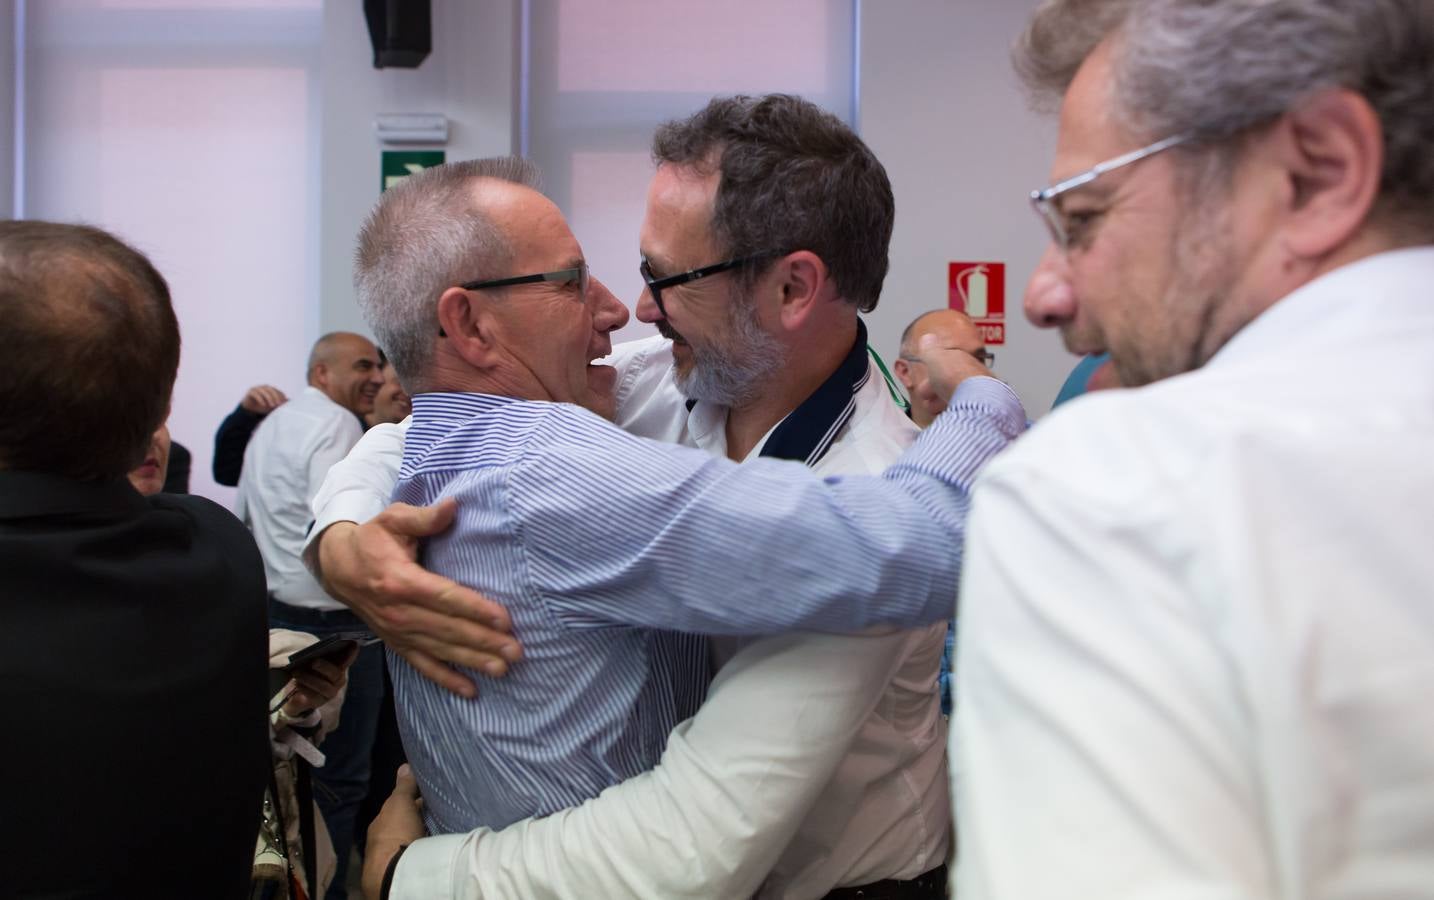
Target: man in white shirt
x,y
1215,681
757,267
284,464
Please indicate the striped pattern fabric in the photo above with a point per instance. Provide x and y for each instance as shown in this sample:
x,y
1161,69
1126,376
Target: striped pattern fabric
x,y
584,532
590,705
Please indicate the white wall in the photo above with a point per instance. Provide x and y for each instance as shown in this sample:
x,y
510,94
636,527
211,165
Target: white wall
x,y
191,131
939,105
471,77
941,108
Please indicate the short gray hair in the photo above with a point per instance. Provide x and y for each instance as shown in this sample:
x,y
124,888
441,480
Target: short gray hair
x,y
1219,69
422,237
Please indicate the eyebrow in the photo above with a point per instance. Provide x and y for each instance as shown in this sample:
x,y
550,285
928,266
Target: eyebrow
x,y
1097,191
657,263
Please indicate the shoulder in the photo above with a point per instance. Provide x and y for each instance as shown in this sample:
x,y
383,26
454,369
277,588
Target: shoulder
x,y
879,431
216,538
504,435
209,521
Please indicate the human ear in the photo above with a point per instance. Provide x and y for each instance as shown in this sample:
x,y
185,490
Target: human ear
x,y
1332,148
467,325
804,283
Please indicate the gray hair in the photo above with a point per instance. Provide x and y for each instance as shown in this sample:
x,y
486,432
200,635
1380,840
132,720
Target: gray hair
x,y
422,237
1217,70
793,177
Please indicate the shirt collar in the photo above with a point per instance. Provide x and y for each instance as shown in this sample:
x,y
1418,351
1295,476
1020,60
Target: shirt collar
x,y
435,414
30,494
808,431
1362,291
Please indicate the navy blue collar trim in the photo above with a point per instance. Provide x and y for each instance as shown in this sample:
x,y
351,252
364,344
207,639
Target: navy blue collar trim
x,y
807,433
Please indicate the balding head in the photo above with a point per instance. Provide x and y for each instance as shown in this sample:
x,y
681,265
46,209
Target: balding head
x,y
92,349
952,324
345,366
951,329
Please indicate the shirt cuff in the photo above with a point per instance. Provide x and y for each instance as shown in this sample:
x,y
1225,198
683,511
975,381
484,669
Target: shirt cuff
x,y
427,867
994,396
357,506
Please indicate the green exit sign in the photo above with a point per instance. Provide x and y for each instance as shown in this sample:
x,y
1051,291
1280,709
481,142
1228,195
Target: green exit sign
x,y
399,164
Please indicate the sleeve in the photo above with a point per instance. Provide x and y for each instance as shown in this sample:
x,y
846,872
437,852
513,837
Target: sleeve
x,y
733,786
330,445
229,443
358,486
705,535
1099,727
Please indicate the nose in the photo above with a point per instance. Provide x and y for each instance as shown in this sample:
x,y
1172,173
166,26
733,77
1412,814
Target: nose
x,y
1050,298
608,312
647,310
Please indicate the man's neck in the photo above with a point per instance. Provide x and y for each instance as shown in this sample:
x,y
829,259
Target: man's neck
x,y
806,370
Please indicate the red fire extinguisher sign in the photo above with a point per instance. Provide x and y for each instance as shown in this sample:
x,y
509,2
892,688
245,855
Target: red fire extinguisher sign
x,y
979,290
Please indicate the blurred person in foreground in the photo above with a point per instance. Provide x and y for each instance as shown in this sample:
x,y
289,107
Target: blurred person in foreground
x,y
132,636
1218,675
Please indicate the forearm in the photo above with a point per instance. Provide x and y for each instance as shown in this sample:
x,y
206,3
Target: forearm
x,y
230,442
699,538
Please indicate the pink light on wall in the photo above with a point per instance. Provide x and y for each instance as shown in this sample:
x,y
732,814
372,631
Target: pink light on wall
x,y
206,170
609,193
708,48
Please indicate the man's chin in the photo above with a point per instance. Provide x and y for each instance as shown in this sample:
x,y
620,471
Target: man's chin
x,y
602,391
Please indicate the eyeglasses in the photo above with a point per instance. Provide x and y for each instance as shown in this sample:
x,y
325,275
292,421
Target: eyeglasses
x,y
983,356
657,285
576,275
1044,201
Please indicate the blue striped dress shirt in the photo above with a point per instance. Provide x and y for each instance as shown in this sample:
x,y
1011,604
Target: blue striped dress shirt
x,y
592,537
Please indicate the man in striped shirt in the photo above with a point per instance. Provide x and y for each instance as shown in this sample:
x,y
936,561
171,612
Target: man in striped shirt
x,y
773,358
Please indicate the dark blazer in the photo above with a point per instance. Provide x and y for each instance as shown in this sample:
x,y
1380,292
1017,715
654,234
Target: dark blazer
x,y
133,669
230,442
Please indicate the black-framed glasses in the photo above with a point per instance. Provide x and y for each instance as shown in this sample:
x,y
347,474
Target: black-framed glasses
x,y
657,285
1044,201
573,275
983,356
577,274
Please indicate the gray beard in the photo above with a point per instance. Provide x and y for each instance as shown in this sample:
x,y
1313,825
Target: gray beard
x,y
734,372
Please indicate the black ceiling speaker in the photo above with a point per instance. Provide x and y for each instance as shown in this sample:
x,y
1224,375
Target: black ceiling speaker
x,y
401,32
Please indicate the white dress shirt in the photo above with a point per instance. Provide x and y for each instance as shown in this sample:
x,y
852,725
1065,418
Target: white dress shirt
x,y
1197,658
818,759
284,464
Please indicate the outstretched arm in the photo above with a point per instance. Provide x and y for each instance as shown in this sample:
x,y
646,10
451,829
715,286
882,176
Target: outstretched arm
x,y
621,530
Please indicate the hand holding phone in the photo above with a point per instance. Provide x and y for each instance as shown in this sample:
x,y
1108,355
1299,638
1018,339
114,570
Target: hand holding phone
x,y
317,673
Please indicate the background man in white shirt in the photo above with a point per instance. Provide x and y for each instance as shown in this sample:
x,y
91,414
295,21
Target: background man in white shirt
x,y
284,464
1198,640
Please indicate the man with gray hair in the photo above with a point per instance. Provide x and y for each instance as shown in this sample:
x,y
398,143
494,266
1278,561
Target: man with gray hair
x,y
1216,681
765,236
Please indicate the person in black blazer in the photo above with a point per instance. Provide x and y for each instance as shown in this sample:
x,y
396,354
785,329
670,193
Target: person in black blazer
x,y
133,635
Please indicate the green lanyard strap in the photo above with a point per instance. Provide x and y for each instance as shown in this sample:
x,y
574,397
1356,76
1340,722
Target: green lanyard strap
x,y
896,394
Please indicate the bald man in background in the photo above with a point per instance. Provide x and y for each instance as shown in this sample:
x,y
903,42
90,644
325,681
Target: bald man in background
x,y
284,464
953,330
